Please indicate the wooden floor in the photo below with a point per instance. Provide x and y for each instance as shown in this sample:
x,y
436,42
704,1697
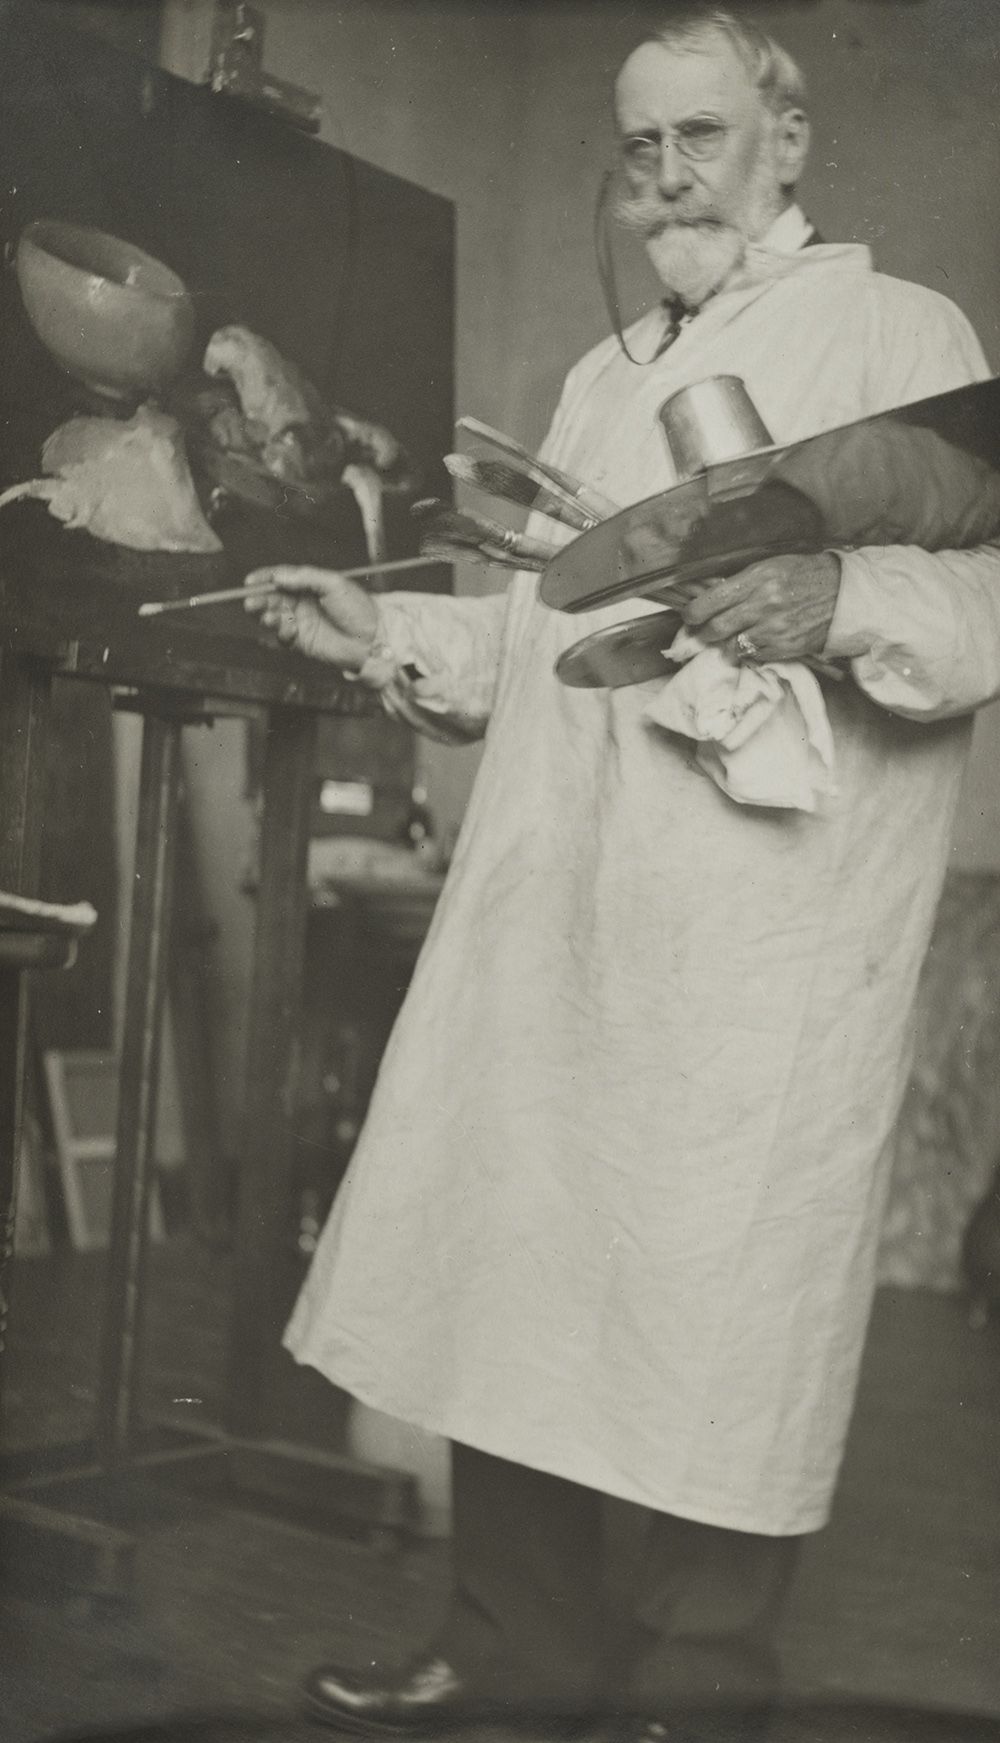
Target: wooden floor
x,y
900,1596
899,1600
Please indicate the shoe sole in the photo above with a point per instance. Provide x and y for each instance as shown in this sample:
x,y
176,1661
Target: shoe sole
x,y
358,1725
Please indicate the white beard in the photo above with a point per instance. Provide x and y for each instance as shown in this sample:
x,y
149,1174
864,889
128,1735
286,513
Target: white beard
x,y
693,260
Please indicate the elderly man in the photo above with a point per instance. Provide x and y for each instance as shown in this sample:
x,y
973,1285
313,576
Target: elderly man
x,y
611,1225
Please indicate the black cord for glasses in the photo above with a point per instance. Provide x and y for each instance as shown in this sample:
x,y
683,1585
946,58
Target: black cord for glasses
x,y
604,251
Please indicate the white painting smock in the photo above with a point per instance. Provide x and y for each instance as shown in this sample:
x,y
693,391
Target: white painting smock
x,y
614,1211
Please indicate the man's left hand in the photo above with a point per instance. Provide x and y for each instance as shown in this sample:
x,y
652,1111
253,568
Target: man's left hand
x,y
782,607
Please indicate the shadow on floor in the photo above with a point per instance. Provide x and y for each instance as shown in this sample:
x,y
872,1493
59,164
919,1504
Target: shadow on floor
x,y
895,1601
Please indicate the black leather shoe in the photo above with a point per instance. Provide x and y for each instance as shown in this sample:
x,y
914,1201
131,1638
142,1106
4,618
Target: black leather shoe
x,y
428,1697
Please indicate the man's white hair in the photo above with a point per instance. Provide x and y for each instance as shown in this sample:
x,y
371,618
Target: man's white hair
x,y
769,66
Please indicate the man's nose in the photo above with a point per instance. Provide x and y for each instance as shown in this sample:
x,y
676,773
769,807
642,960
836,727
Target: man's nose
x,y
675,170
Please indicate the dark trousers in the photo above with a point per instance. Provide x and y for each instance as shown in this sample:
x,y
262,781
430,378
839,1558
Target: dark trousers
x,y
530,1616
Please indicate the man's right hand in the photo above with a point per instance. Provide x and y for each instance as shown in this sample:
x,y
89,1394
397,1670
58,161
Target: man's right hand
x,y
318,611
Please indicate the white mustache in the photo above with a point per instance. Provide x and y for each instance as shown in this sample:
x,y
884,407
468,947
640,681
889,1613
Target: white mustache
x,y
650,217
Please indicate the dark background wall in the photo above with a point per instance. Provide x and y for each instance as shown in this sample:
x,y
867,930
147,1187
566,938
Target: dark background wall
x,y
133,25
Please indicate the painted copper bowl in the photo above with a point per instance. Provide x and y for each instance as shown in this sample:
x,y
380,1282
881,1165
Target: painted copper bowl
x,y
110,315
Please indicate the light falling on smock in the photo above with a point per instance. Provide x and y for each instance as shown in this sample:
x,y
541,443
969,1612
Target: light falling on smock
x,y
615,1207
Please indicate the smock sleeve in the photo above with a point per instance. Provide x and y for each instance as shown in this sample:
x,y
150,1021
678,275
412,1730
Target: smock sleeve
x,y
921,628
435,659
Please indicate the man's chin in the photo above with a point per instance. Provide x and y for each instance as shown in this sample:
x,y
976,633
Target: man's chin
x,y
693,260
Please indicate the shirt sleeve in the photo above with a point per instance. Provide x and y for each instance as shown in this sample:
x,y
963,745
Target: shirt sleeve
x,y
921,628
435,661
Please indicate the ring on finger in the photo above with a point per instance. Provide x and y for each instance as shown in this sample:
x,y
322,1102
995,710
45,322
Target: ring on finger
x,y
746,647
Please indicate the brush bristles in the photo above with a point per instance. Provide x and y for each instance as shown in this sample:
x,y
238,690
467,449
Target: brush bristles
x,y
474,532
494,476
439,550
459,526
523,485
486,433
598,506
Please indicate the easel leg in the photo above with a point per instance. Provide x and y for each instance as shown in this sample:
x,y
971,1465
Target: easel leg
x,y
25,692
140,1058
272,1054
13,1025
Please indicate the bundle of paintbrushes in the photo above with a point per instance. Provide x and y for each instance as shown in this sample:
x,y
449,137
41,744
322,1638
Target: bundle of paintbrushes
x,y
524,481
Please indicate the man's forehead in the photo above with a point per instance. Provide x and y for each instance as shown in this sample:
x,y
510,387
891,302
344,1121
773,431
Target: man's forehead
x,y
661,83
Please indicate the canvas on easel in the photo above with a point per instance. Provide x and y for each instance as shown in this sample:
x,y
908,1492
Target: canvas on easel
x,y
83,1100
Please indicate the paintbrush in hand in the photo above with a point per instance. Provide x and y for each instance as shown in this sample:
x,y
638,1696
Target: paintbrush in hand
x,y
522,483
447,528
229,595
591,500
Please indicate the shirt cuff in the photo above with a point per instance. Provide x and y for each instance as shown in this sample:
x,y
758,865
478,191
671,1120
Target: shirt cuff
x,y
390,660
854,626
402,681
897,639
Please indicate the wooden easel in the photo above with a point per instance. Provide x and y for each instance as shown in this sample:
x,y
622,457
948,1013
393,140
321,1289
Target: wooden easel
x,y
176,678
349,271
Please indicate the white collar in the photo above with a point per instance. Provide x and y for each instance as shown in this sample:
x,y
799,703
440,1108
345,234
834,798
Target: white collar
x,y
790,231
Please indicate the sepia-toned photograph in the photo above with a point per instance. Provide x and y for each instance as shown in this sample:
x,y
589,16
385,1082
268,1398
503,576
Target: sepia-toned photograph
x,y
500,871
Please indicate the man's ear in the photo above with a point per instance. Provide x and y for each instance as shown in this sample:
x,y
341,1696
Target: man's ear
x,y
793,138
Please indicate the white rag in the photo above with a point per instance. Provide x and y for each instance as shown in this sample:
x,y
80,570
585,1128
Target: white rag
x,y
762,732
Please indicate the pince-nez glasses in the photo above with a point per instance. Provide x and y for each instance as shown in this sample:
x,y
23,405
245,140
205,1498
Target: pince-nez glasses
x,y
699,140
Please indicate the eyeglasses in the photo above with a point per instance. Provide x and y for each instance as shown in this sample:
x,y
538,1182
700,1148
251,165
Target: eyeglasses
x,y
699,140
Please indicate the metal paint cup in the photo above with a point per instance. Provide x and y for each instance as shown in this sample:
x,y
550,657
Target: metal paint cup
x,y
709,422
